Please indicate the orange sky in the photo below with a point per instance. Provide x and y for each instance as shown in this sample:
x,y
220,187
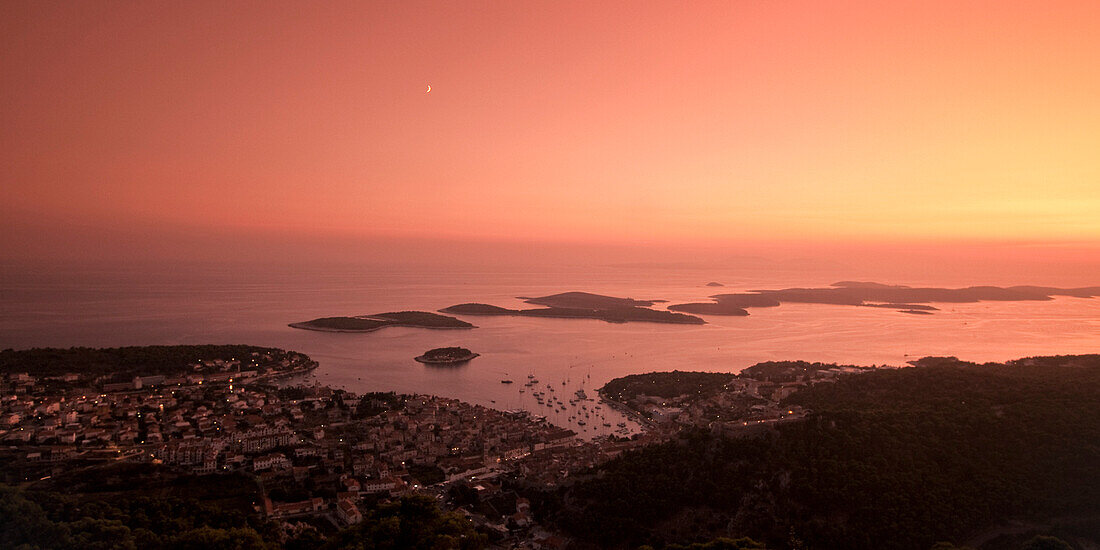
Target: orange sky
x,y
577,122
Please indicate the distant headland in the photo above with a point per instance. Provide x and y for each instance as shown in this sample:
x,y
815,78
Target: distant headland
x,y
587,300
370,323
581,305
869,294
446,356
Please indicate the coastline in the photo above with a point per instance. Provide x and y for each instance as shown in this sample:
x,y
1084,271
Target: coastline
x,y
634,415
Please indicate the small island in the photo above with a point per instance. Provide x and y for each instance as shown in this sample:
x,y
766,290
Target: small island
x,y
370,323
446,356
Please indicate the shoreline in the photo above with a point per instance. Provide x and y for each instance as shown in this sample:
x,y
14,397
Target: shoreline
x,y
646,423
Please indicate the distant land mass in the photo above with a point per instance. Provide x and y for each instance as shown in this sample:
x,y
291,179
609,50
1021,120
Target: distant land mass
x,y
711,308
619,314
587,300
446,356
870,294
712,283
369,323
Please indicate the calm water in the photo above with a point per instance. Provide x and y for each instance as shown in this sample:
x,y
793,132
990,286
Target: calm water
x,y
252,305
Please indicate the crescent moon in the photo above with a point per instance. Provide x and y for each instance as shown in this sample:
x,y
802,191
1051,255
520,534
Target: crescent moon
x,y
429,88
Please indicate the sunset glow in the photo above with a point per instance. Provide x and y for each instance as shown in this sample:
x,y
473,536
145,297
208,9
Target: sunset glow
x,y
553,121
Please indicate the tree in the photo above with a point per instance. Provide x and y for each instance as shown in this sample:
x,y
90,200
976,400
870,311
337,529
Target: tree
x,y
414,523
1043,542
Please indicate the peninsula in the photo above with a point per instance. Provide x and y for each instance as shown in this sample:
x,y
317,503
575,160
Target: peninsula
x,y
446,356
370,323
135,367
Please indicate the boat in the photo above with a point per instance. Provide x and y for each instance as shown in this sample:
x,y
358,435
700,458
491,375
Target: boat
x,y
505,381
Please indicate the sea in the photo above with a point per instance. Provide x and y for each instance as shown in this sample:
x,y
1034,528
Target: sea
x,y
244,303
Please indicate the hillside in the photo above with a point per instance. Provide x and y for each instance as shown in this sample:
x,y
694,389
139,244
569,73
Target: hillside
x,y
888,459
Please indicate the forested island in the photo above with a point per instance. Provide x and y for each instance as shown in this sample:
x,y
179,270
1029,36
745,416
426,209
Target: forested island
x,y
617,314
446,356
587,300
369,323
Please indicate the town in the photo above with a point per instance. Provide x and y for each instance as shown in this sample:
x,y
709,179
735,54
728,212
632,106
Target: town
x,y
322,456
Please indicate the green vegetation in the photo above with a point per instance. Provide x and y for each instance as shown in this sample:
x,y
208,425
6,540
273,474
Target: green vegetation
x,y
32,520
447,355
788,371
414,523
890,459
666,384
710,308
479,309
587,300
368,323
361,324
426,474
376,403
617,315
131,361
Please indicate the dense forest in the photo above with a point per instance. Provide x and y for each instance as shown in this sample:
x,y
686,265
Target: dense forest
x,y
788,371
888,459
666,384
127,361
46,520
